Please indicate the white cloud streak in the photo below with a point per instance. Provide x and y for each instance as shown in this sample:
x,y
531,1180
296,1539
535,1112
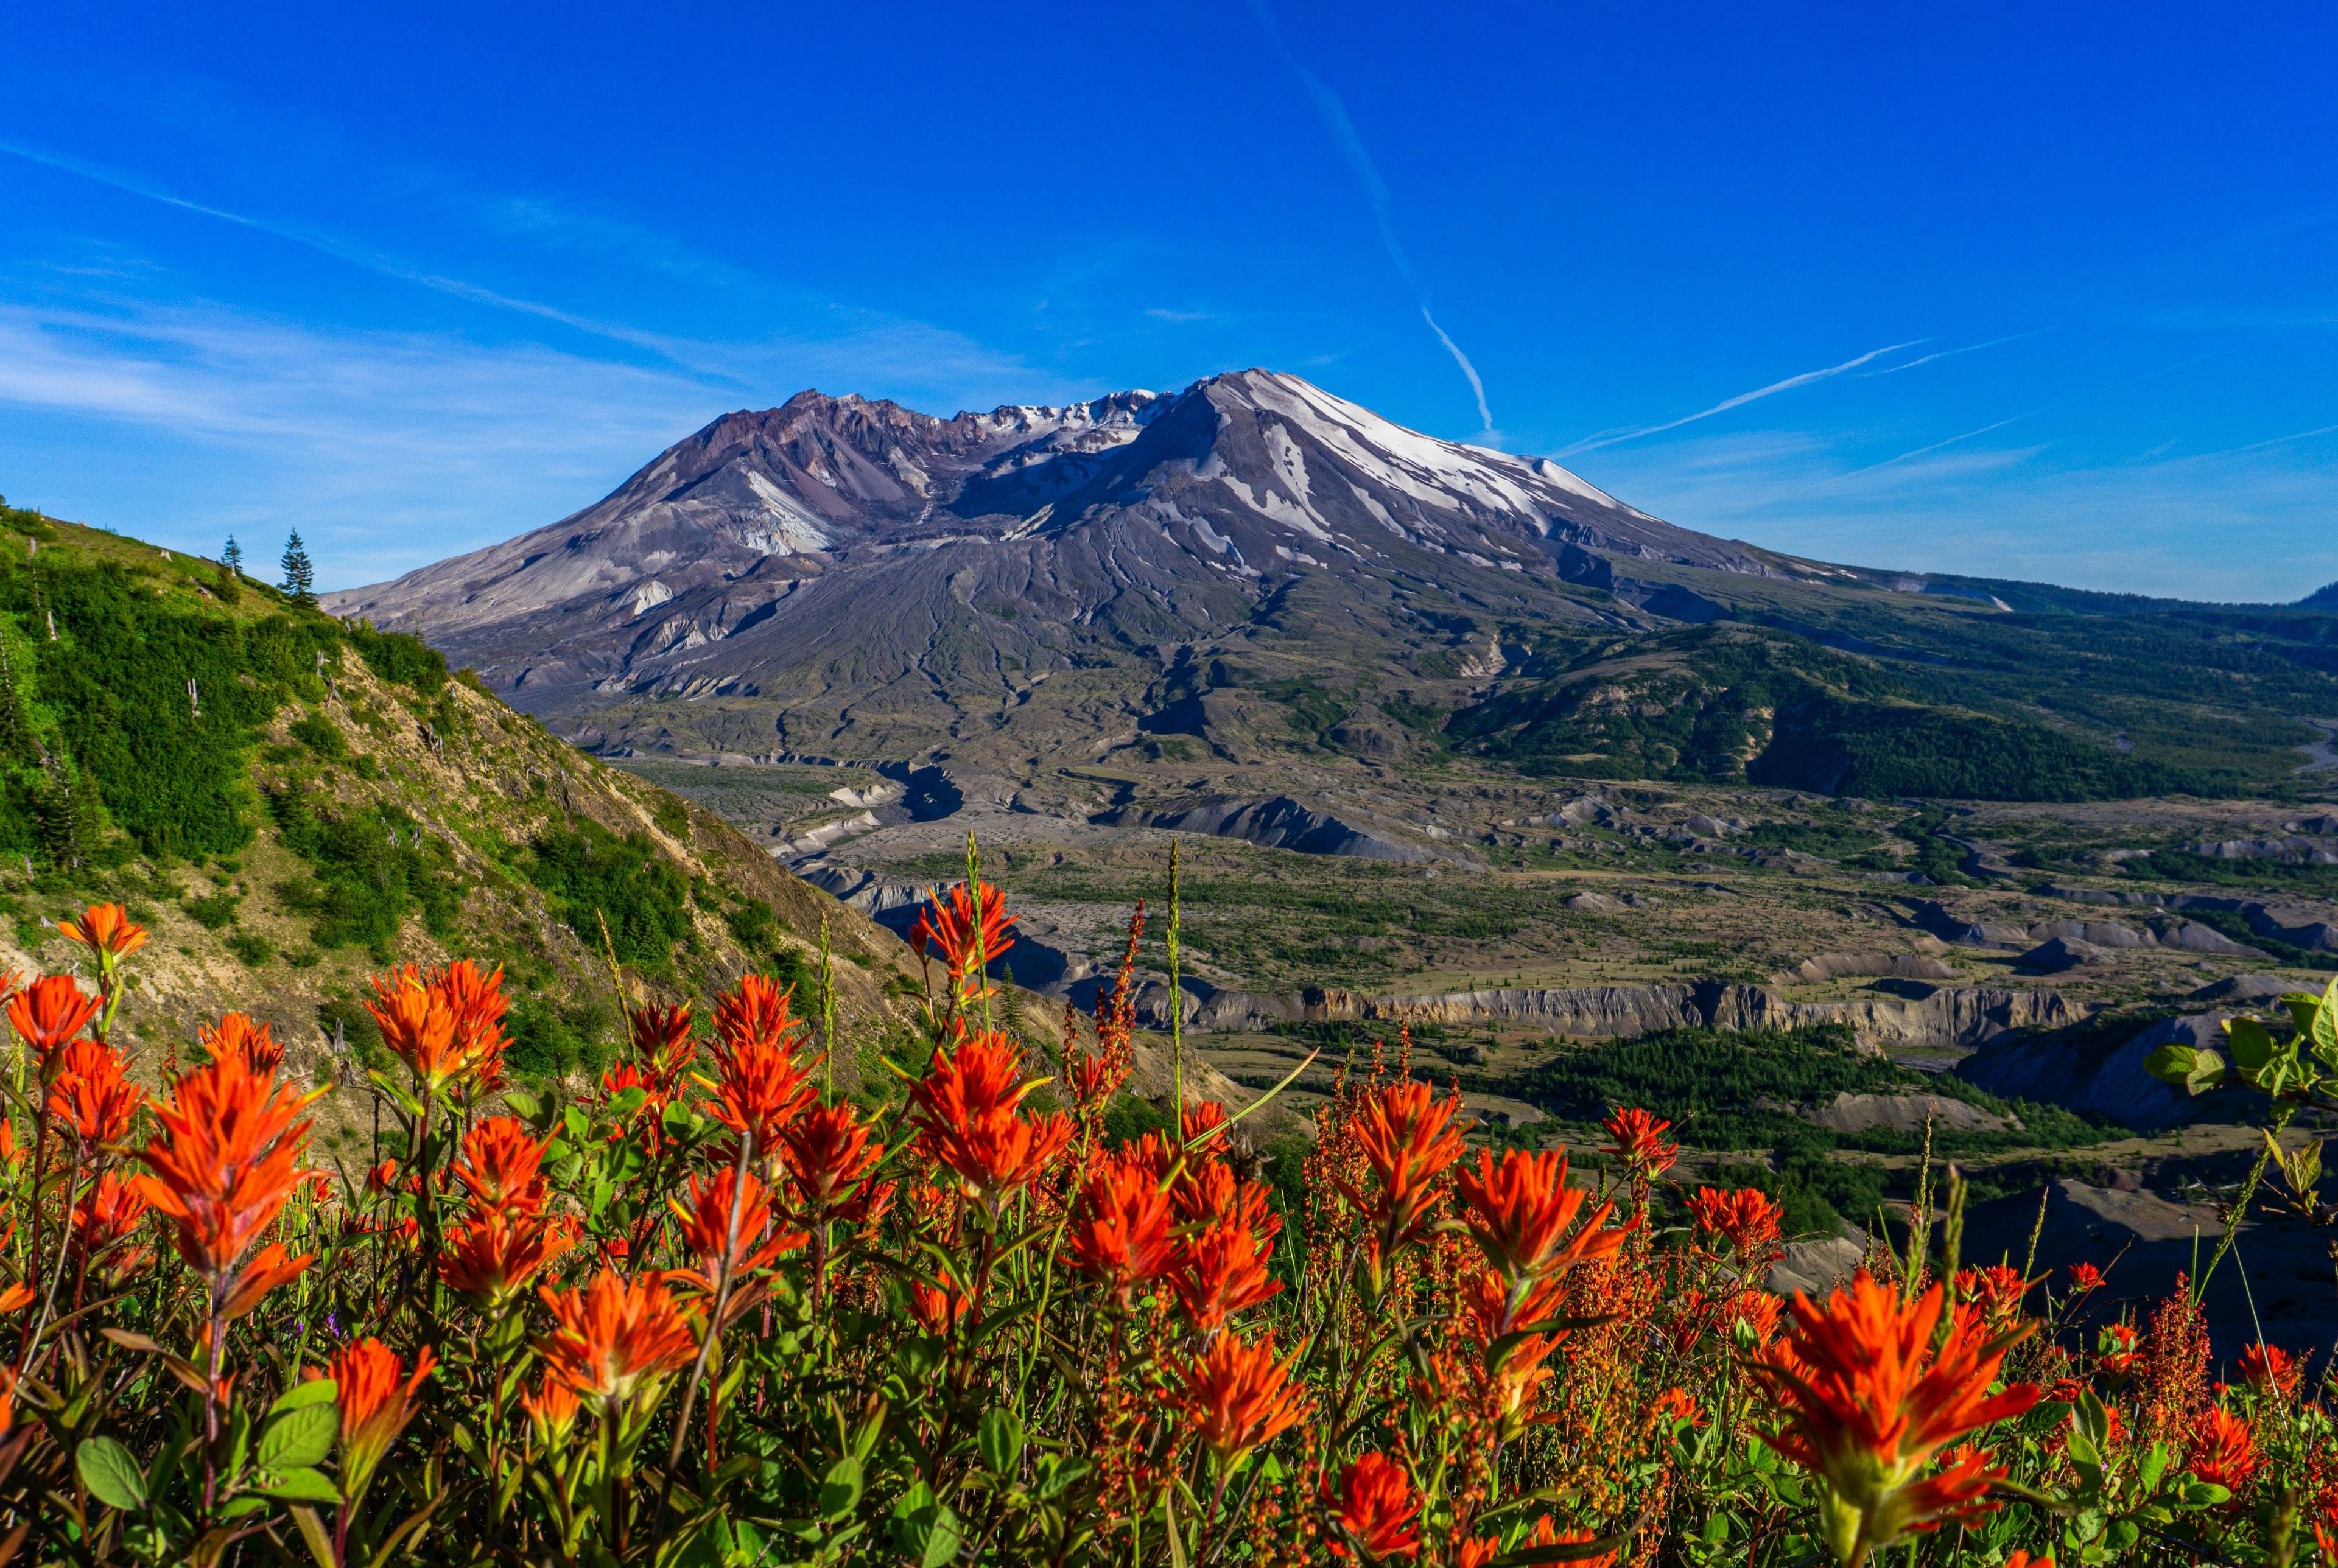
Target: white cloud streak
x,y
1333,112
1739,401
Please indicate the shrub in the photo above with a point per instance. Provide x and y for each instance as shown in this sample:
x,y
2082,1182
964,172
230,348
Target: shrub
x,y
591,875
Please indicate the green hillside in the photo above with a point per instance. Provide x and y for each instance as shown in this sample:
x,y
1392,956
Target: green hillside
x,y
290,803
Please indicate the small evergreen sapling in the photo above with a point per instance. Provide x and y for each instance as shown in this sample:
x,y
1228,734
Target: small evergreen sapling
x,y
299,574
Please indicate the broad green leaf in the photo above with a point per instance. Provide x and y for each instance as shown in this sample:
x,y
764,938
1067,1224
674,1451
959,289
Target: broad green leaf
x,y
1000,1438
2193,1070
301,1484
2325,1019
524,1104
840,1489
299,1437
2251,1043
315,1391
112,1476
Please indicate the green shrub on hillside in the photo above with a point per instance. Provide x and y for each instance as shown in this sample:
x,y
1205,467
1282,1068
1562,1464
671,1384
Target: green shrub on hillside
x,y
398,657
589,871
369,867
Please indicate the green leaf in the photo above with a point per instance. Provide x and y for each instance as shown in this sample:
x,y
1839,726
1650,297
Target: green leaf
x,y
2155,1465
300,1395
840,1489
2172,1063
110,1473
299,1437
302,1485
2252,1041
1000,1438
2325,1019
524,1104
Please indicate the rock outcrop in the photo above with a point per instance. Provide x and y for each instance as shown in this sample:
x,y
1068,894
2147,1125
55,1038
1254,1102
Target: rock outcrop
x,y
1277,823
2103,1076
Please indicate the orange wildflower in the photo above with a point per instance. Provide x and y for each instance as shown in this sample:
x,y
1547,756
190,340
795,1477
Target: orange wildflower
x,y
241,1033
50,1011
107,931
2085,1277
375,1405
949,925
706,1228
1546,1533
108,1215
1745,1219
501,1166
1521,1211
1202,1120
551,1410
1206,1190
1640,1143
478,1003
1237,1396
759,1085
1867,1400
757,1009
1996,1291
2117,1348
1120,1237
964,1110
939,1309
492,1256
2270,1371
1401,1133
418,1026
612,1341
1373,1509
661,1044
1220,1272
93,1094
2222,1450
828,1156
226,1164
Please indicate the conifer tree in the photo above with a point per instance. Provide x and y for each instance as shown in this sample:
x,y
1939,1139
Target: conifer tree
x,y
299,574
232,557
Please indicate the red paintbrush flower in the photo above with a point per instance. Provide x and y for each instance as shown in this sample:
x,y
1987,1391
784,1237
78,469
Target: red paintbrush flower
x,y
418,1026
1744,1220
2270,1371
1996,1293
1219,1272
1640,1143
1236,1396
492,1256
375,1405
107,1217
708,1231
243,1034
1373,1510
501,1166
938,1309
1205,1189
91,1093
2222,1450
662,1044
1202,1124
948,926
612,1342
476,1000
2085,1277
49,1011
757,1009
1867,1400
228,1160
1120,1233
1523,1214
551,1411
828,1156
759,1085
965,1109
107,931
1402,1133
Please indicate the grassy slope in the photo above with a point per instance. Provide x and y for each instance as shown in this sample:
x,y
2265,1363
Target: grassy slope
x,y
321,808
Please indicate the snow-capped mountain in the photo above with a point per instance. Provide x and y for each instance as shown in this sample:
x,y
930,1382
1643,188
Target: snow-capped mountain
x,y
847,548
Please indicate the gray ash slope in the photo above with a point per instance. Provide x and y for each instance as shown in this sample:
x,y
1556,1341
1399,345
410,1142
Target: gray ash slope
x,y
869,578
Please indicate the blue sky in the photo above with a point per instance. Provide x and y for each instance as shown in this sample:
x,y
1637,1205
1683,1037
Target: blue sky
x,y
2042,292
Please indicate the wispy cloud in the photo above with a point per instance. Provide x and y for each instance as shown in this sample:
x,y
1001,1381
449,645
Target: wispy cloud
x,y
1333,112
1594,443
2223,525
1951,353
1944,446
389,449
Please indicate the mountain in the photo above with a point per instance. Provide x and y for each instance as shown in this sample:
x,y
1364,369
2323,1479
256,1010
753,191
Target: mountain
x,y
1251,570
876,578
